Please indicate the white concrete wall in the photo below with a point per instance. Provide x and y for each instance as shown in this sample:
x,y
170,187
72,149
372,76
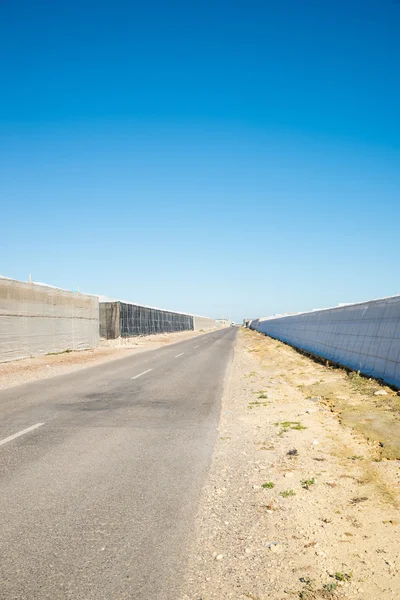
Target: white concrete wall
x,y
36,319
204,323
364,337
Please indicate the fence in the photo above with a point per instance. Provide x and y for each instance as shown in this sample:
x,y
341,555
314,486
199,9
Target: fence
x,y
37,319
364,336
126,320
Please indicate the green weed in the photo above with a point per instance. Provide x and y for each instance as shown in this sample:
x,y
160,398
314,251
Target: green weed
x,y
341,576
287,493
330,587
306,483
256,403
287,425
251,374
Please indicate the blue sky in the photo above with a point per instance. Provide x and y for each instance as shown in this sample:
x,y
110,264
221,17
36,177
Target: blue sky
x,y
222,158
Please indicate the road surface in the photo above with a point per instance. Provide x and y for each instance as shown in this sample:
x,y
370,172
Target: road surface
x,y
101,472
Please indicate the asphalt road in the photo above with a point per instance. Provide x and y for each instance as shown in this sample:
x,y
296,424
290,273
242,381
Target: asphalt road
x,y
98,498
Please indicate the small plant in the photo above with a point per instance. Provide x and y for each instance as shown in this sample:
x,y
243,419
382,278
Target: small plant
x,y
256,403
262,395
269,485
341,576
298,427
293,452
355,457
330,587
287,493
306,483
286,425
306,580
251,374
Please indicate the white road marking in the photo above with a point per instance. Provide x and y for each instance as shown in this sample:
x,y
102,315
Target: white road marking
x,y
178,355
140,374
17,435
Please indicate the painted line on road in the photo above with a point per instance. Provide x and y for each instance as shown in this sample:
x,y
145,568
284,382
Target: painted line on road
x,y
140,374
178,355
17,435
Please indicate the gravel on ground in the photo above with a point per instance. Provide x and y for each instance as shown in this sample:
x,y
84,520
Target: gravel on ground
x,y
297,504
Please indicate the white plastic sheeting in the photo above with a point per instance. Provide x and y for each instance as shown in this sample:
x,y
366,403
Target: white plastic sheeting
x,y
204,323
38,319
364,336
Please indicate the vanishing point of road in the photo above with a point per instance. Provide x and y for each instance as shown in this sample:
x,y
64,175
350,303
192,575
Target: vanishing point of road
x,y
101,472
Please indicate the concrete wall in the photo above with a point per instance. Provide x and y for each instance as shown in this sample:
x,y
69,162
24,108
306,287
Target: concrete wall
x,y
36,319
204,323
364,337
110,325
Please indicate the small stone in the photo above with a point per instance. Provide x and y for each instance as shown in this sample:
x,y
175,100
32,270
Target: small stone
x,y
289,475
380,393
276,549
315,442
247,550
293,452
219,557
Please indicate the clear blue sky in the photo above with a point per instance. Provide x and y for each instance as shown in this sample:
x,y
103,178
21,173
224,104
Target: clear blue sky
x,y
237,158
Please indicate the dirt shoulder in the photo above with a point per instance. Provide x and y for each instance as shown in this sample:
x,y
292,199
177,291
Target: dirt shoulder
x,y
42,367
297,504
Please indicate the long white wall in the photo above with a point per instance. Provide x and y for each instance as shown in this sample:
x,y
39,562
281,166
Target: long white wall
x,y
364,337
36,319
203,323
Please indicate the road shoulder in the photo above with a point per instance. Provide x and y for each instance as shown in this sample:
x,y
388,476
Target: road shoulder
x,y
296,505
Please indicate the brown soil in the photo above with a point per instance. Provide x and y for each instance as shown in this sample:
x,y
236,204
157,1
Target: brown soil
x,y
326,524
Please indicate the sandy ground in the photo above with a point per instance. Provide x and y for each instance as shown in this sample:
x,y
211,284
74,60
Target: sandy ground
x,y
41,367
298,504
